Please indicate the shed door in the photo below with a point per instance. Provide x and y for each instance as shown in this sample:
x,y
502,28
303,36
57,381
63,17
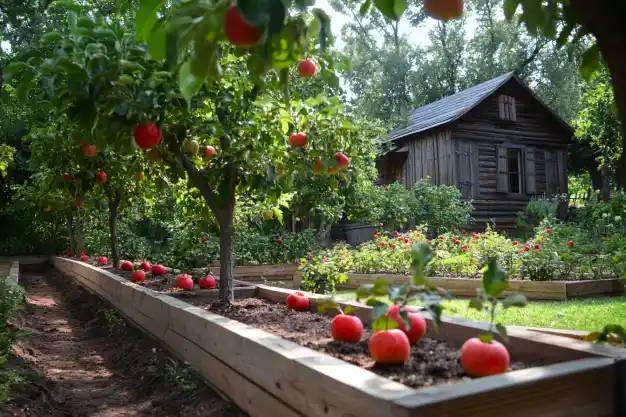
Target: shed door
x,y
466,169
556,172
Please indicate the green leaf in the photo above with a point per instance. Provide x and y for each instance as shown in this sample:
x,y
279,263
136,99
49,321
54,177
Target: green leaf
x,y
254,12
396,292
384,323
157,41
325,33
486,338
476,304
515,300
67,4
404,315
364,291
188,83
11,69
502,331
325,304
146,17
494,279
24,87
379,309
391,9
277,13
51,37
365,7
592,337
421,254
381,287
590,62
349,310
510,7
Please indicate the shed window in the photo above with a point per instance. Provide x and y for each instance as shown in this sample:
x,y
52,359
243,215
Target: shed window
x,y
514,170
507,108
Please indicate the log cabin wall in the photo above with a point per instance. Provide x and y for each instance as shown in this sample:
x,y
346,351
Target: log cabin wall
x,y
429,156
530,130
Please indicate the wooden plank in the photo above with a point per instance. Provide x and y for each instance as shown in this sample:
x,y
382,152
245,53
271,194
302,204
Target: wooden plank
x,y
573,389
502,185
595,287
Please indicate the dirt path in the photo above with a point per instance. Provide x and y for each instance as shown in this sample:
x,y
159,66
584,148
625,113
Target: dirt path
x,y
83,360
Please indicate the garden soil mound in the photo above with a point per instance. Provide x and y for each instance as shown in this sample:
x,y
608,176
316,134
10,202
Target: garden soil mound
x,y
81,360
432,362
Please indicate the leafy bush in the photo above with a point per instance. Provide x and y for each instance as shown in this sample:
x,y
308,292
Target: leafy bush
x,y
321,273
440,206
256,248
11,300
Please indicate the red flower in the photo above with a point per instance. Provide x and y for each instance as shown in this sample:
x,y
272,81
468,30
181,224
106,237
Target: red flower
x,y
411,242
441,237
203,239
476,237
549,231
400,239
537,252
324,259
515,243
375,230
396,233
430,243
527,248
380,225
464,248
406,240
279,241
457,241
393,245
466,235
376,236
537,245
381,244
570,243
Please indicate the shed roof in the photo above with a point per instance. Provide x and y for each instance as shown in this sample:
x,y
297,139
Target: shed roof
x,y
452,108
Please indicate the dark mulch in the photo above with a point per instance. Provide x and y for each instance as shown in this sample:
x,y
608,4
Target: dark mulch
x,y
82,361
432,362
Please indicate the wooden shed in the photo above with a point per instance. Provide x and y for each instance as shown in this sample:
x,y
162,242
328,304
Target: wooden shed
x,y
497,142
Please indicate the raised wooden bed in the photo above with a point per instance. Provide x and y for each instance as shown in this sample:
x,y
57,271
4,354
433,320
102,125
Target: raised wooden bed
x,y
283,275
535,290
266,375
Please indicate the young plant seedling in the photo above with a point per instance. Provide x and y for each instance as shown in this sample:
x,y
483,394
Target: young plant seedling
x,y
416,288
483,356
343,328
612,333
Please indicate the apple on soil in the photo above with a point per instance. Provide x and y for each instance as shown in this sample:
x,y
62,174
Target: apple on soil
x,y
297,301
417,328
390,347
158,270
298,140
102,177
102,260
238,32
444,9
480,358
207,283
138,276
126,266
147,135
209,152
84,258
306,68
345,328
89,150
145,265
184,282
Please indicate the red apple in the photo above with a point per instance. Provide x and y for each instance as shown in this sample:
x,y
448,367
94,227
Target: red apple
x,y
145,265
127,266
342,160
344,328
158,270
298,140
483,359
209,152
317,166
89,150
444,9
139,176
184,282
147,135
78,203
102,260
69,254
102,177
84,258
207,282
306,68
390,347
238,31
297,301
203,239
138,276
418,323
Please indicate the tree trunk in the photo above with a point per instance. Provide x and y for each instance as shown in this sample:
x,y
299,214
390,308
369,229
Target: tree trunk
x,y
605,20
226,254
115,253
70,231
80,237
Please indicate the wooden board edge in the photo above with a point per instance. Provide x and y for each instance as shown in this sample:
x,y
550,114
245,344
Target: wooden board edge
x,y
14,273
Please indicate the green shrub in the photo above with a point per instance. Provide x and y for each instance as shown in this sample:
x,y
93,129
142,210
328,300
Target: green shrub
x,y
11,300
440,206
321,273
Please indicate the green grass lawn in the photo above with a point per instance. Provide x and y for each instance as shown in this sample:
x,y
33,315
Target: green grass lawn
x,y
588,314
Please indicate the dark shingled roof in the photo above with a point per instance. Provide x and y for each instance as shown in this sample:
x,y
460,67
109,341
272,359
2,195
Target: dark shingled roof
x,y
448,109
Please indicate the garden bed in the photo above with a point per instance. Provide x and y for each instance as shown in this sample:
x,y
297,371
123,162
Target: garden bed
x,y
534,290
267,375
281,275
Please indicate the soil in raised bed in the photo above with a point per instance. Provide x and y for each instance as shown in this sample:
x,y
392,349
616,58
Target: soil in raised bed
x,y
81,360
432,362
